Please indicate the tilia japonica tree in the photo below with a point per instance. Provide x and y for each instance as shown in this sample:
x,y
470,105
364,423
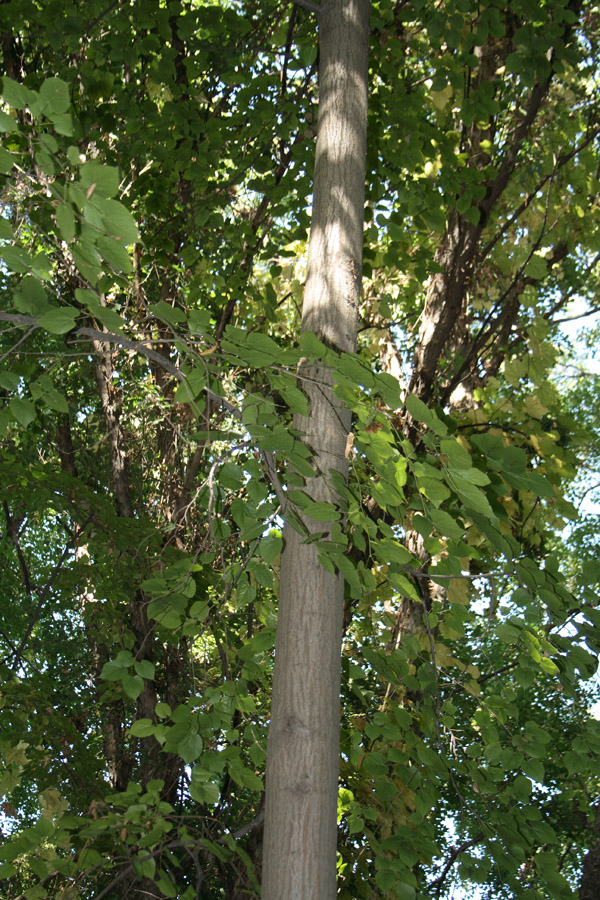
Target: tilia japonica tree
x,y
209,434
303,749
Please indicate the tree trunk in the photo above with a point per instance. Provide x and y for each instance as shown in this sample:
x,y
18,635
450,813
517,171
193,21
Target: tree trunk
x,y
299,861
589,889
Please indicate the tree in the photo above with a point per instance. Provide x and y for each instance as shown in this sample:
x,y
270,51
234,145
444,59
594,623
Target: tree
x,y
161,380
303,751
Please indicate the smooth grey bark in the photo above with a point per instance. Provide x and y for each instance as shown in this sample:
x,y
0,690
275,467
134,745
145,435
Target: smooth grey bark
x,y
299,860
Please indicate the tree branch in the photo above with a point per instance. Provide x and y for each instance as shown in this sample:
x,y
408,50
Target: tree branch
x,y
137,346
13,534
308,4
456,851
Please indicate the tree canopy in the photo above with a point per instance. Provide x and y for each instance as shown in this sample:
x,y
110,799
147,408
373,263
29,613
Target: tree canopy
x,y
156,164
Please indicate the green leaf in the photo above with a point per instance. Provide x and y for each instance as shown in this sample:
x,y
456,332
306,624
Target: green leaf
x,y
507,633
6,231
385,879
246,778
112,671
118,221
231,476
312,346
49,142
537,267
355,369
7,161
270,547
388,388
322,512
433,489
63,123
295,399
10,381
265,348
190,748
390,551
15,94
108,317
142,866
191,388
458,457
59,320
65,220
98,180
55,96
7,124
422,413
202,787
43,389
31,299
521,787
16,258
145,668
115,254
87,259
445,524
168,312
534,769
133,686
470,495
142,728
208,792
23,411
165,885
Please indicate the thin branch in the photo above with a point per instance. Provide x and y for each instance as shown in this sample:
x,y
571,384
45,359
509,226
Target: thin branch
x,y
456,851
102,14
21,340
137,346
46,590
560,304
308,4
506,668
288,48
252,825
13,533
591,312
562,160
142,348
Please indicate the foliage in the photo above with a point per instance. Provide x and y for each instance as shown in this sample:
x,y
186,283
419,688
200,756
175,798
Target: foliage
x,y
156,165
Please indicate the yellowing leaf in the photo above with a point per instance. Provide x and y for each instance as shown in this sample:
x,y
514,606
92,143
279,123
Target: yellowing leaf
x,y
441,99
53,805
459,590
444,658
16,755
534,407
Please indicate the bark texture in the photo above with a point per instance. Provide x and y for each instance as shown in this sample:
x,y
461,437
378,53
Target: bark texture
x,y
299,861
589,888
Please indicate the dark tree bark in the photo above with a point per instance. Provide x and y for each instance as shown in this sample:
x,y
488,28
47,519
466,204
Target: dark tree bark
x,y
589,888
299,858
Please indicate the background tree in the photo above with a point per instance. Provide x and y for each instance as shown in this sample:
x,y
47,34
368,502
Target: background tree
x,y
157,167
